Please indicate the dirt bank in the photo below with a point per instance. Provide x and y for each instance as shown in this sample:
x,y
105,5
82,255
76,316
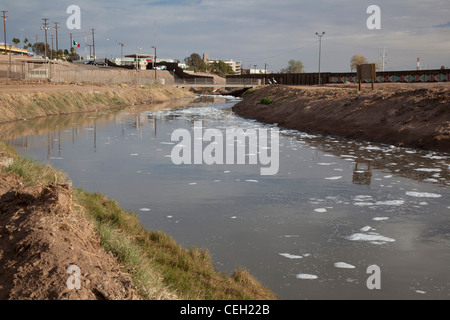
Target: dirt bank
x,y
412,117
26,101
46,226
41,236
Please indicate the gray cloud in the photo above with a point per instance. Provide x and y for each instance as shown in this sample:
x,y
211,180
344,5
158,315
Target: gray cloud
x,y
252,31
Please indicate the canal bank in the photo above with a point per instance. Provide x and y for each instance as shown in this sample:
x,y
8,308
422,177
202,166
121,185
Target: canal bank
x,y
406,116
21,101
47,227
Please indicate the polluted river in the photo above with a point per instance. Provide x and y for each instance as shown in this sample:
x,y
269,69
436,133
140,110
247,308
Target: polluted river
x,y
340,219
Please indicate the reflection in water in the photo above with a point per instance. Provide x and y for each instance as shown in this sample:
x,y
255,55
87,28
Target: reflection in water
x,y
362,174
334,201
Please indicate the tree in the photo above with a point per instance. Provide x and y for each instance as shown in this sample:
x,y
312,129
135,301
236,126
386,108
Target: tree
x,y
377,65
15,41
357,60
195,61
39,48
220,68
294,67
26,44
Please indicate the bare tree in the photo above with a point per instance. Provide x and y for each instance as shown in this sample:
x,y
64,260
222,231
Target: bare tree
x,y
357,60
293,67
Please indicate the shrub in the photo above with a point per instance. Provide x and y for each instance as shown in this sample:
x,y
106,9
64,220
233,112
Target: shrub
x,y
266,101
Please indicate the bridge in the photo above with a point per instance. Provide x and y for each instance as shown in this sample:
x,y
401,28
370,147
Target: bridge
x,y
216,85
208,83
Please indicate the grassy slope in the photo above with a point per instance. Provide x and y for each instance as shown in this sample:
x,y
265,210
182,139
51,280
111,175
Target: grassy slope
x,y
33,104
160,268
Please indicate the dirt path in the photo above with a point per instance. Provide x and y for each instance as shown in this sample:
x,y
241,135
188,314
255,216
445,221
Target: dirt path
x,y
41,236
416,116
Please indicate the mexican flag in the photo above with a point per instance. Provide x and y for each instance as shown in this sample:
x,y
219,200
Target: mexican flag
x,y
76,44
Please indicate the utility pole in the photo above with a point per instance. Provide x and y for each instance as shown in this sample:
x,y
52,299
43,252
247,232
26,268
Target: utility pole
x,y
90,51
71,45
383,59
121,53
21,37
57,48
156,75
320,51
4,25
107,43
51,52
93,42
45,28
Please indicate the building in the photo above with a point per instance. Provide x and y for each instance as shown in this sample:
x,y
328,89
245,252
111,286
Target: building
x,y
236,66
11,49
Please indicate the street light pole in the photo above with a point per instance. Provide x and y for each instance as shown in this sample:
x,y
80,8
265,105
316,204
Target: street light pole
x,y
4,27
320,51
45,28
154,63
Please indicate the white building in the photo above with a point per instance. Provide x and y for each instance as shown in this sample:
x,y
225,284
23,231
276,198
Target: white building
x,y
236,66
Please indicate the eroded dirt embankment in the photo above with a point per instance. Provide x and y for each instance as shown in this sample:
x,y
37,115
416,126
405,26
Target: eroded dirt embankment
x,y
28,101
41,236
409,117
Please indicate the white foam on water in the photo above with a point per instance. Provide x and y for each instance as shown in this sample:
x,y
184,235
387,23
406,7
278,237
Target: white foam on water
x,y
254,181
145,209
226,171
303,276
134,154
390,203
422,194
290,256
343,265
362,198
369,237
430,180
348,156
326,164
56,158
169,217
420,292
233,217
365,229
193,183
388,177
380,219
429,170
363,204
334,178
423,203
338,170
321,210
167,143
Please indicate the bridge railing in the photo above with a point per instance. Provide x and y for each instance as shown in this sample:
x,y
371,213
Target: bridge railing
x,y
205,80
244,81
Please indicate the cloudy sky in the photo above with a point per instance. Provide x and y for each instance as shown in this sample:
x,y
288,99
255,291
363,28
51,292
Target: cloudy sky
x,y
252,31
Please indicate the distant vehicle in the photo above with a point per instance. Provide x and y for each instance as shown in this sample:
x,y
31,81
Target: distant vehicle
x,y
95,63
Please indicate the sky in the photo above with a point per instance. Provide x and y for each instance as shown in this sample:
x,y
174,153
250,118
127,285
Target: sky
x,y
255,32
